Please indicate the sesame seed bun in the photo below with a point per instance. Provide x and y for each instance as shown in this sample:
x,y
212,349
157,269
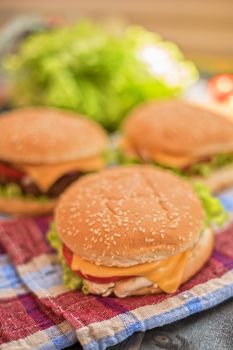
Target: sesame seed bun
x,y
200,254
129,215
177,129
19,207
48,136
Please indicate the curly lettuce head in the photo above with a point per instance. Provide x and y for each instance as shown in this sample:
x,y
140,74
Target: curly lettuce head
x,y
97,71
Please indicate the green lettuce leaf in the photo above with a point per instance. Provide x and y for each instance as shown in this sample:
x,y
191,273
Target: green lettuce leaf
x,y
205,168
215,213
96,70
117,157
12,190
71,279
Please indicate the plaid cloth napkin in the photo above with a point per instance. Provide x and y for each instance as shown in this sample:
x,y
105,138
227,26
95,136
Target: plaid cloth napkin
x,y
38,312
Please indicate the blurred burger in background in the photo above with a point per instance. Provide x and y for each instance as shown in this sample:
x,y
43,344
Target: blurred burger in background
x,y
42,151
190,140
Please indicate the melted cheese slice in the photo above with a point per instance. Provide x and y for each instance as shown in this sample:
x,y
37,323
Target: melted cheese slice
x,y
166,159
46,175
176,161
167,273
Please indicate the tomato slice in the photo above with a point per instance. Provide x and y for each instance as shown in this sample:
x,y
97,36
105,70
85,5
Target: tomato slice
x,y
102,279
10,172
67,253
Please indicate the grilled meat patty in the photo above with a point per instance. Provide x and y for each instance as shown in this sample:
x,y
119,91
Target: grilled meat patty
x,y
9,174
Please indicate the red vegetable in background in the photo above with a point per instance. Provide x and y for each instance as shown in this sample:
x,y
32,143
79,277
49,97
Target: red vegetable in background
x,y
221,87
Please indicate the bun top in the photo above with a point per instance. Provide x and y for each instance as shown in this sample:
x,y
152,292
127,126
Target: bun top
x,y
129,215
178,128
47,136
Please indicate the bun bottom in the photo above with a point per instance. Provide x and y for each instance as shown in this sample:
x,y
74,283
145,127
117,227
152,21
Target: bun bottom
x,y
18,207
200,254
219,179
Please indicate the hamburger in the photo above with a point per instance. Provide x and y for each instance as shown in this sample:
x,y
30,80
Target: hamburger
x,y
42,151
188,139
133,230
